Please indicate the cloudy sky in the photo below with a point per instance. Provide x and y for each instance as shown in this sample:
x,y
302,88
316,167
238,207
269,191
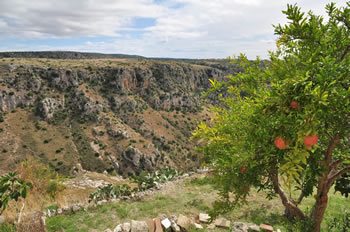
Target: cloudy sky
x,y
153,28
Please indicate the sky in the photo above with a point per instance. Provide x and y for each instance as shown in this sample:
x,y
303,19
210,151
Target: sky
x,y
151,28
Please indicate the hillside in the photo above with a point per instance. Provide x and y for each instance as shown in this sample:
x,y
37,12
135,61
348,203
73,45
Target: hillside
x,y
116,115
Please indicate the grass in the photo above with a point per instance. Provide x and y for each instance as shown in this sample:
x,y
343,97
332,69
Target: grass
x,y
188,198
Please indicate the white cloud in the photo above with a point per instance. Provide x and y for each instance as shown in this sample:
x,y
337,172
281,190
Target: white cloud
x,y
45,18
183,28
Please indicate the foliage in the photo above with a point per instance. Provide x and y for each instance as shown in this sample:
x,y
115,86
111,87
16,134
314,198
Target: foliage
x,y
285,123
343,185
110,192
340,224
144,181
150,180
45,181
12,188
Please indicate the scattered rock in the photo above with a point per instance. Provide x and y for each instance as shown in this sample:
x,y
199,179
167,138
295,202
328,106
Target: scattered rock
x,y
253,228
204,218
166,223
151,225
126,227
138,226
197,226
75,208
184,222
175,227
211,226
118,228
239,227
265,227
222,223
158,225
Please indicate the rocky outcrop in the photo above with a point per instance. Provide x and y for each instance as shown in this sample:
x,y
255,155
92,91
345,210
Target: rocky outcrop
x,y
135,161
49,106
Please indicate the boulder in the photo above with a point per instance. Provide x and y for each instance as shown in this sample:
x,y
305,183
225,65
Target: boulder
x,y
166,223
184,222
138,226
265,227
151,225
2,219
253,228
126,227
222,223
204,218
158,225
197,226
118,228
240,227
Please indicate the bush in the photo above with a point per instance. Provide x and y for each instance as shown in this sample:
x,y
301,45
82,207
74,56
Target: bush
x,y
340,224
150,180
110,192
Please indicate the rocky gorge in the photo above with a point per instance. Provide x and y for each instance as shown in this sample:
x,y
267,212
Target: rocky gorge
x,y
116,115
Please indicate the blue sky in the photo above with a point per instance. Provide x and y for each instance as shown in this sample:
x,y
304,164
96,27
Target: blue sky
x,y
153,28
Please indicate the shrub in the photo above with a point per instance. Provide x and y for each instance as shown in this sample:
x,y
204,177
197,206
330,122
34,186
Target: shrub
x,y
341,224
110,192
150,180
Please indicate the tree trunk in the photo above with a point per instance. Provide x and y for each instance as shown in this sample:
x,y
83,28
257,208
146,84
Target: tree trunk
x,y
291,209
324,184
320,205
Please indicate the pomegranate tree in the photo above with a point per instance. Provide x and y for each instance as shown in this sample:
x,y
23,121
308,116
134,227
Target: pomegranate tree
x,y
293,121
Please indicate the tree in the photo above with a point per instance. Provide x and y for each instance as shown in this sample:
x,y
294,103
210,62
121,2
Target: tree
x,y
283,126
12,188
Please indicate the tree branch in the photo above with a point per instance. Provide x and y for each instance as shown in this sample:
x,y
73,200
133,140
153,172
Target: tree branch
x,y
336,175
331,146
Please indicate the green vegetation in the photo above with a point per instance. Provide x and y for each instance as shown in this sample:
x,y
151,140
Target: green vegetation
x,y
188,197
110,192
150,180
12,188
283,126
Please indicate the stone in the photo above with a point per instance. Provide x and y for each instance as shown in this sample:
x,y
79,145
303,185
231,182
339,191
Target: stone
x,y
126,227
166,223
75,208
204,218
239,227
211,226
138,226
253,228
222,223
278,230
59,211
151,225
175,227
197,226
158,225
118,228
2,219
265,227
184,222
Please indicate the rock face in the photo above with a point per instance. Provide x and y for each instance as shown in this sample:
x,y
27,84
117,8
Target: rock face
x,y
49,106
144,111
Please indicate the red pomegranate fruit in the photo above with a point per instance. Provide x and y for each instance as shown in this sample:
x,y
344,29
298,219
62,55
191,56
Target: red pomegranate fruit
x,y
310,140
280,143
294,105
